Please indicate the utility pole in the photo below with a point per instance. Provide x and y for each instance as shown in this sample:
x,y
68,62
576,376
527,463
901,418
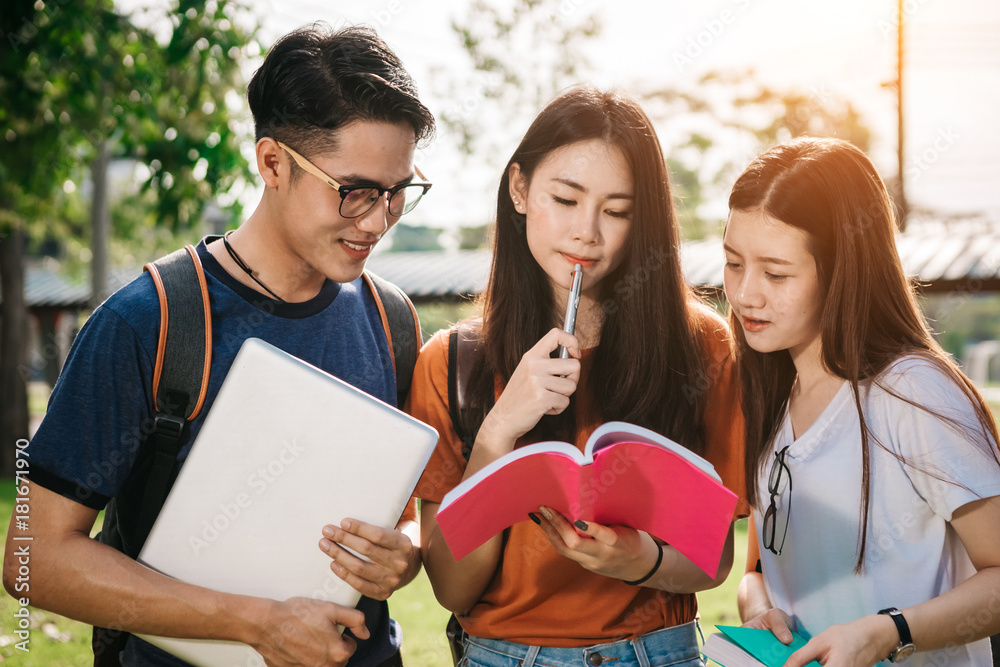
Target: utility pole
x,y
903,207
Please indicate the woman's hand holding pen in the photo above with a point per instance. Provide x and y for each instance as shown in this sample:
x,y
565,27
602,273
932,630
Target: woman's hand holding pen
x,y
539,386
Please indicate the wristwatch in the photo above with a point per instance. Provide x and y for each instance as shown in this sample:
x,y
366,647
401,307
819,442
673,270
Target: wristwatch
x,y
906,647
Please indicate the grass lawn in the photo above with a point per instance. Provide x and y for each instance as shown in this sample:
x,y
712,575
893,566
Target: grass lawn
x,y
56,641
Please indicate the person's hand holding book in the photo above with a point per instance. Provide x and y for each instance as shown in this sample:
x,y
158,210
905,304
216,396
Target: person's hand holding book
x,y
304,631
775,620
389,558
616,551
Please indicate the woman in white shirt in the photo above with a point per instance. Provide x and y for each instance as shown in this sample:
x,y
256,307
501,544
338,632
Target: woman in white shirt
x,y
877,493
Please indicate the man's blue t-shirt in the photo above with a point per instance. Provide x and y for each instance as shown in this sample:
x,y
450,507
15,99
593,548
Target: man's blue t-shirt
x,y
100,409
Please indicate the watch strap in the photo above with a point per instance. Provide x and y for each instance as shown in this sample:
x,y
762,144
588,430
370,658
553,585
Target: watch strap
x,y
901,626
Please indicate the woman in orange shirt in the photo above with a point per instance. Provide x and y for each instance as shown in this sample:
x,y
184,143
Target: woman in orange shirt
x,y
588,185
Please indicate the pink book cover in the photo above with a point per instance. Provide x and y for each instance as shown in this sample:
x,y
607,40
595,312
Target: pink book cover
x,y
626,475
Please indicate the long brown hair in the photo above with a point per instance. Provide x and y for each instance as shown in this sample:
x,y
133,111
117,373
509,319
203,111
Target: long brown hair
x,y
649,350
830,189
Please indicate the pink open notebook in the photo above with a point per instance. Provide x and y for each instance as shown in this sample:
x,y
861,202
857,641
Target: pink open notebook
x,y
626,475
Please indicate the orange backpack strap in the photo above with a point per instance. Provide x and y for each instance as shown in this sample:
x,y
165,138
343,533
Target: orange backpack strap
x,y
184,350
402,330
180,382
180,375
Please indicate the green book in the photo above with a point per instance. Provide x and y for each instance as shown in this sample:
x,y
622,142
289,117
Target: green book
x,y
749,647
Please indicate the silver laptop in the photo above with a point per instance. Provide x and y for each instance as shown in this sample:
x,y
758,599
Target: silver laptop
x,y
285,450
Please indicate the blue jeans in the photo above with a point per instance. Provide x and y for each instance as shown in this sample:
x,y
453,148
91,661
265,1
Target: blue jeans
x,y
677,647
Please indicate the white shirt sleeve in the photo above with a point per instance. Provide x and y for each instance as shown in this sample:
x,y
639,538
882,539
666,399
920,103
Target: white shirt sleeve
x,y
949,458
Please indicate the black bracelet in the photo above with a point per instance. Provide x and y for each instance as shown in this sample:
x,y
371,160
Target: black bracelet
x,y
659,559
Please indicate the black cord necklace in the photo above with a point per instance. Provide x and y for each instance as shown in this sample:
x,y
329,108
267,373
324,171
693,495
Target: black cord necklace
x,y
243,265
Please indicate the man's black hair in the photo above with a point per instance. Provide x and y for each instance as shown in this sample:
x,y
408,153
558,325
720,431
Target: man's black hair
x,y
316,79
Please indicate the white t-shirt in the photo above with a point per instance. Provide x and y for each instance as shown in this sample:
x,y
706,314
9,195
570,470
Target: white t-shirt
x,y
912,553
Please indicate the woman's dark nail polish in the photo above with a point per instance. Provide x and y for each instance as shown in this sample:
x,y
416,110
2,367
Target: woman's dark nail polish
x,y
582,525
534,518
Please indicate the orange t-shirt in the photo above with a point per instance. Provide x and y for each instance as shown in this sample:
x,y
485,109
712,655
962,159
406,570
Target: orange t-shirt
x,y
537,596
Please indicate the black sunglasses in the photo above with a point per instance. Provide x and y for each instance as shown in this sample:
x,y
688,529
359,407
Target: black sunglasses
x,y
779,473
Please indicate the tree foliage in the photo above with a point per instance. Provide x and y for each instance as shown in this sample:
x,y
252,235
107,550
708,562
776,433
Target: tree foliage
x,y
191,132
474,238
711,128
413,238
519,56
79,76
84,85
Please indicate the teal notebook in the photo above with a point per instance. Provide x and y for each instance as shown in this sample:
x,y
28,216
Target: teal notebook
x,y
737,647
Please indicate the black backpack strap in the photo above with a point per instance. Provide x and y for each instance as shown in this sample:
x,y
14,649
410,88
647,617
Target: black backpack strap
x,y
402,330
454,405
180,382
180,377
463,344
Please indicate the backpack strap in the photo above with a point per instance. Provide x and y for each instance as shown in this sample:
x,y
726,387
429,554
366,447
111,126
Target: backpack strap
x,y
402,330
180,376
180,382
463,344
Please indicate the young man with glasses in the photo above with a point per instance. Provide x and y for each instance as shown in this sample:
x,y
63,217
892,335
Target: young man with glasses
x,y
337,122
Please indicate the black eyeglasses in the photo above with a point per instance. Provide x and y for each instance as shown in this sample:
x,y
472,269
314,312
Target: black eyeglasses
x,y
356,200
780,475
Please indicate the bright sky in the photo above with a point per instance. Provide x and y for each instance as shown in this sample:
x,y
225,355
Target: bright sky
x,y
845,47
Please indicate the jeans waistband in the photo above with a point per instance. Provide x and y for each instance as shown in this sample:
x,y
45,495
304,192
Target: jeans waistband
x,y
660,647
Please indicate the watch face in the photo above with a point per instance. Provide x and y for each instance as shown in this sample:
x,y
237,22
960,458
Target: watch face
x,y
902,653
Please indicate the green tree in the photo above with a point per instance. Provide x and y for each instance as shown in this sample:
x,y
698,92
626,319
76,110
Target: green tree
x,y
84,85
30,170
707,126
500,92
473,238
410,238
495,91
723,117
